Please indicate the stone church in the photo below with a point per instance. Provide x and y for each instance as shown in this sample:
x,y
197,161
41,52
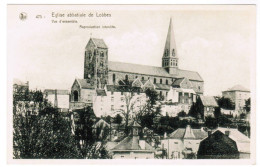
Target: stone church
x,y
100,73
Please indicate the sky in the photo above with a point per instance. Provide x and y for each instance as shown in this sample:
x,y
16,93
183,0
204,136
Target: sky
x,y
217,41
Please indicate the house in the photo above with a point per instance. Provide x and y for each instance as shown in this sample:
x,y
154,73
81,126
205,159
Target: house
x,y
58,98
207,104
238,94
114,99
242,141
99,72
179,99
183,143
132,147
218,145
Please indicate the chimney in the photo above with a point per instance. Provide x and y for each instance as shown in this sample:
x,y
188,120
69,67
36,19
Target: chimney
x,y
227,132
209,132
142,144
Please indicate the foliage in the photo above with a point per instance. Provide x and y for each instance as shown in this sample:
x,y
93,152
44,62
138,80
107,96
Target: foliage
x,y
118,119
90,137
196,109
182,114
47,135
248,105
152,95
225,103
222,121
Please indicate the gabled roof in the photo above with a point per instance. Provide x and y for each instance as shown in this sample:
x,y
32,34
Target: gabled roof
x,y
209,101
99,43
177,82
238,88
181,133
151,70
59,91
119,88
84,84
132,143
101,92
243,142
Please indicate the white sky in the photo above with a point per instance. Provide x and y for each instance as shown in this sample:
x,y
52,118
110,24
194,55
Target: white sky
x,y
216,41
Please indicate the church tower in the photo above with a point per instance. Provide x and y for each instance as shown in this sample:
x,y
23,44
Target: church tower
x,y
96,63
170,59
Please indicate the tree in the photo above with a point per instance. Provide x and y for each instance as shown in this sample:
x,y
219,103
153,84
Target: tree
x,y
118,119
182,114
225,103
152,95
45,135
248,105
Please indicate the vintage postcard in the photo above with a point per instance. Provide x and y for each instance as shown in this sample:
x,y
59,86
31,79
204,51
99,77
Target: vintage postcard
x,y
158,83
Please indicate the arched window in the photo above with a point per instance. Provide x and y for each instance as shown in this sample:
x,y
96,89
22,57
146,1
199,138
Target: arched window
x,y
142,78
166,81
154,80
136,76
160,81
114,77
126,77
76,95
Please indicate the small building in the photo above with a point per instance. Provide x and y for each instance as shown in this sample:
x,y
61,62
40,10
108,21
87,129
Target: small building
x,y
132,147
81,94
113,99
238,94
242,141
58,98
218,145
183,143
178,99
207,105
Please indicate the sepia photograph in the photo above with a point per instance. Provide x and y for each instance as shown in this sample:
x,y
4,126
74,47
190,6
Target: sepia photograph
x,y
157,82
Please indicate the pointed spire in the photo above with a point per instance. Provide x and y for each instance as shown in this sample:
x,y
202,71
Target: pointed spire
x,y
170,45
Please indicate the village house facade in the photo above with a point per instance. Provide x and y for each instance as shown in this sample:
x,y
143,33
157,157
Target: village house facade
x,y
57,98
183,142
238,95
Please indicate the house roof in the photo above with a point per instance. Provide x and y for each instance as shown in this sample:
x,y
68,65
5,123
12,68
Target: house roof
x,y
209,101
84,84
238,88
177,82
121,88
99,43
59,91
101,92
151,70
162,86
184,133
134,124
132,143
243,142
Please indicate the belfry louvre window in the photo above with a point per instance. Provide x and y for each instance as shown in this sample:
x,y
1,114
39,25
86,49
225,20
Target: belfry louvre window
x,y
114,77
101,54
166,82
154,80
160,81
